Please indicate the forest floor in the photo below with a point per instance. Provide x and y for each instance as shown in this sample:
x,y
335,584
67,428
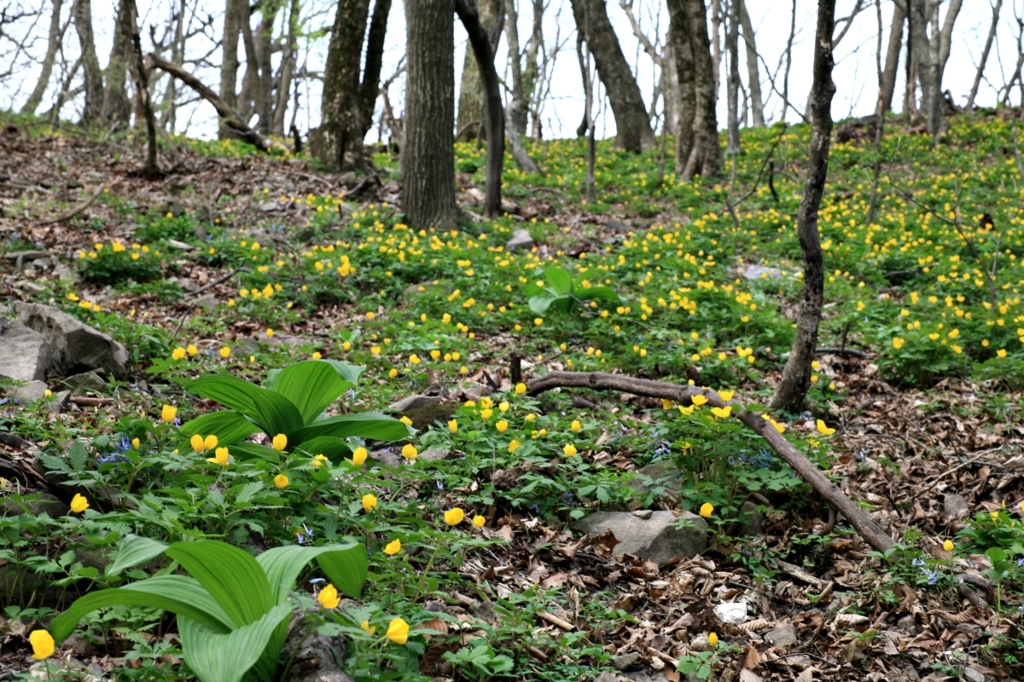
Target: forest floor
x,y
248,263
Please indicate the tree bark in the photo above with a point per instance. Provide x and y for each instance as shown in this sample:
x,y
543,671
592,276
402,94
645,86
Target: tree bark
x,y
251,78
753,75
229,60
285,73
93,109
984,54
117,106
892,56
632,124
796,376
515,115
682,53
53,42
471,90
138,68
428,154
341,145
705,154
493,113
264,41
369,89
733,82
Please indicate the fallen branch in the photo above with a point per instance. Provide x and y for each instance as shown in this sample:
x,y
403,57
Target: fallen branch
x,y
600,381
72,213
555,620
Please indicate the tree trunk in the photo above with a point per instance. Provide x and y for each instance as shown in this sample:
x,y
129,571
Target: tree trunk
x,y
796,376
341,145
93,110
471,89
984,55
53,42
753,75
117,106
284,79
716,43
531,71
705,157
515,115
686,104
229,60
493,113
892,56
251,78
733,83
370,87
632,124
130,21
428,154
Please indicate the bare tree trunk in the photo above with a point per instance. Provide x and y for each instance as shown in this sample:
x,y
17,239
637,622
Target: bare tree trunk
x,y
716,43
632,124
789,61
93,110
284,80
52,43
117,107
686,106
892,56
264,40
531,71
880,122
705,157
493,113
583,56
796,376
341,144
370,87
753,76
229,60
733,83
428,154
251,78
471,89
150,171
170,108
984,55
932,53
515,116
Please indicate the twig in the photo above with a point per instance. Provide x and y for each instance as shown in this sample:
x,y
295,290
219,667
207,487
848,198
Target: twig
x,y
958,467
219,280
76,211
555,620
88,401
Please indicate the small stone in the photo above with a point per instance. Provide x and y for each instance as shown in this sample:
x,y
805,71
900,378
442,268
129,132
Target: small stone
x,y
782,636
658,538
973,675
86,381
955,506
747,675
734,612
907,624
606,677
413,402
643,513
624,661
521,239
751,520
207,302
434,454
30,392
756,272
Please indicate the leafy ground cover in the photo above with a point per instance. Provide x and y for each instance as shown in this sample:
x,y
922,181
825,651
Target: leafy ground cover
x,y
241,265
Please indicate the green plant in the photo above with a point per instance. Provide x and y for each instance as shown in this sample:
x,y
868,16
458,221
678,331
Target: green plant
x,y
292,404
560,292
232,609
478,661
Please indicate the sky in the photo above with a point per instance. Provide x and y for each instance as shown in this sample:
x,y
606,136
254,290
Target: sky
x,y
854,74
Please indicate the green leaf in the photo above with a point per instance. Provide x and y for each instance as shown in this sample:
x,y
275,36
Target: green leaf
x,y
344,565
271,411
247,450
332,447
539,304
365,425
311,386
179,594
232,577
558,280
229,426
590,293
218,657
249,491
135,550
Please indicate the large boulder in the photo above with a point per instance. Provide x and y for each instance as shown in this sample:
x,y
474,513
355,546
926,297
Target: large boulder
x,y
650,535
47,342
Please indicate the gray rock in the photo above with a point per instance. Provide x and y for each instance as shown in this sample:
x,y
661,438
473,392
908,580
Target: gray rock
x,y
955,506
434,454
973,675
207,301
313,657
782,636
755,272
607,677
625,661
30,392
747,675
71,346
656,538
24,354
751,519
78,384
413,402
521,239
656,471
907,624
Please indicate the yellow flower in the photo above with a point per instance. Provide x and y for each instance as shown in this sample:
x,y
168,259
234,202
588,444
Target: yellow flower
x,y
369,501
409,451
538,321
220,457
713,639
569,450
699,399
576,426
722,412
520,388
503,406
486,414
328,597
515,444
823,428
393,547
392,372
280,442
453,426
280,481
178,353
270,332
948,545
479,521
359,456
405,420
136,443
79,504
168,413
707,509
370,315
501,426
192,350
42,644
316,355
897,342
210,442
197,443
318,461
398,631
365,625
726,395
454,516
225,352
414,359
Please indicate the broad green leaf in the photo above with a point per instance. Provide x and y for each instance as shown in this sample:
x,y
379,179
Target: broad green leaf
x,y
345,370
231,576
344,565
346,569
247,450
135,550
539,304
332,447
218,657
179,594
229,426
272,412
590,293
364,424
310,385
558,280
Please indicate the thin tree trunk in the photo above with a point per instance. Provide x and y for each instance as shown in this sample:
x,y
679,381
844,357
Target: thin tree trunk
x,y
341,139
493,112
471,90
534,45
229,60
587,127
892,56
428,154
93,110
686,104
515,115
753,76
251,78
169,121
984,55
706,156
880,122
52,43
369,89
789,61
117,107
632,124
284,81
716,42
733,83
264,40
796,376
150,171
